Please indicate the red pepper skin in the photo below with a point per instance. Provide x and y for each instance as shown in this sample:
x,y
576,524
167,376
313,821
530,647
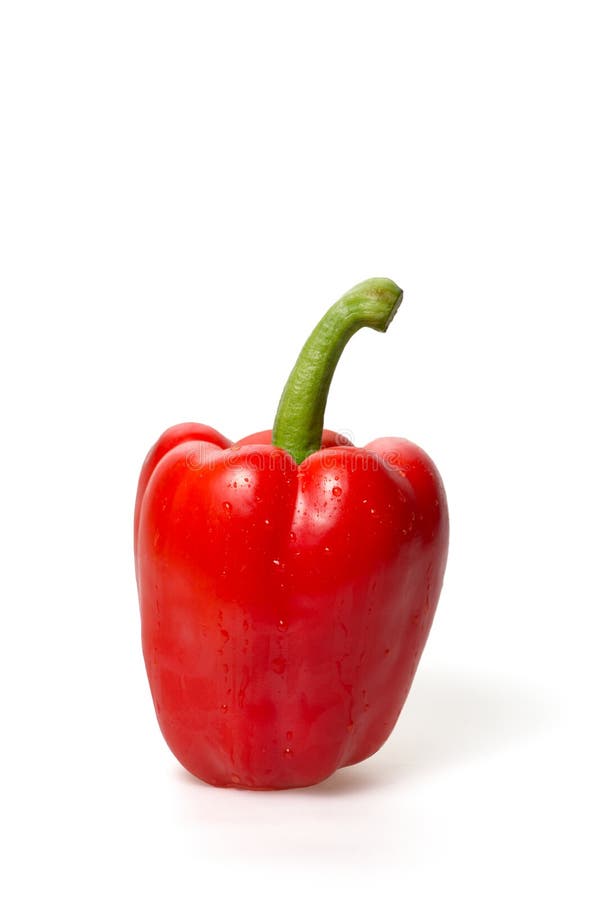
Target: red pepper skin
x,y
284,607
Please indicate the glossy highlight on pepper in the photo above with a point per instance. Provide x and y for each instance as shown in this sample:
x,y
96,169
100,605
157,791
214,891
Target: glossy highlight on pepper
x,y
287,581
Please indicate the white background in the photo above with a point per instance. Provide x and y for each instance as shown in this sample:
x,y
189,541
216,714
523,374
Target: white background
x,y
185,187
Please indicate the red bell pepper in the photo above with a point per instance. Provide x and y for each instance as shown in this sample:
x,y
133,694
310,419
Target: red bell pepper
x,y
287,582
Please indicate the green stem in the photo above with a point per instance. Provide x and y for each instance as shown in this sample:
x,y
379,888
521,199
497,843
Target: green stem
x,y
298,425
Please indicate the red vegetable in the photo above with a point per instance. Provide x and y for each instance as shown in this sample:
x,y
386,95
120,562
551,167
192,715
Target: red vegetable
x,y
287,582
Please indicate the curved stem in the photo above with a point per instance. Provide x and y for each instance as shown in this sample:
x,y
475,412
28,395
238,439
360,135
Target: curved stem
x,y
298,425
